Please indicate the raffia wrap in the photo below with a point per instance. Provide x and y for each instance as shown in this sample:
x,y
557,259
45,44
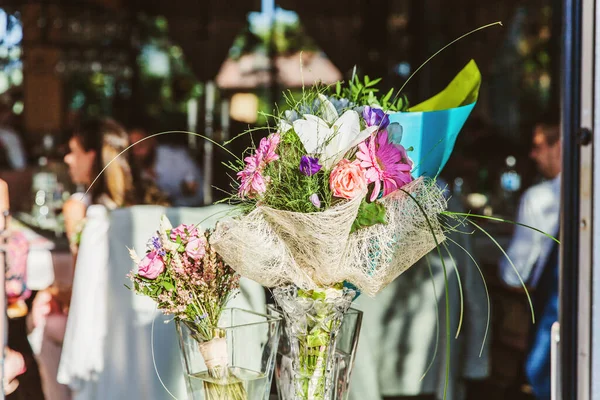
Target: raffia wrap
x,y
312,250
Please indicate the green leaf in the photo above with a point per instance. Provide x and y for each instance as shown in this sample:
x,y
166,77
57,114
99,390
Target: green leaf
x,y
374,82
168,285
387,97
369,214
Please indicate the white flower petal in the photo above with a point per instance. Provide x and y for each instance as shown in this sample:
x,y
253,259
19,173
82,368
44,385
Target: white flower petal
x,y
313,133
363,135
165,224
327,109
346,132
284,126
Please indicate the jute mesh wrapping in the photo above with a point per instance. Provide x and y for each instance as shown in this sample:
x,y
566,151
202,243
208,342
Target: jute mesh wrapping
x,y
313,250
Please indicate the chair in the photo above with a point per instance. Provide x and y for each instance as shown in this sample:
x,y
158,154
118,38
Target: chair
x,y
107,351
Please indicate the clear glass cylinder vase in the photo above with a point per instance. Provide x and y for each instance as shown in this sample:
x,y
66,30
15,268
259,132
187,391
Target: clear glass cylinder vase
x,y
317,345
238,363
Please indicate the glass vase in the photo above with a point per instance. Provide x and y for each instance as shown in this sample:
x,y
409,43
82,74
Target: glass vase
x,y
316,349
237,364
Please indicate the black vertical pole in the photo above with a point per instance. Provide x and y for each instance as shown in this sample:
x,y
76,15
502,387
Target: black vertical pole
x,y
569,266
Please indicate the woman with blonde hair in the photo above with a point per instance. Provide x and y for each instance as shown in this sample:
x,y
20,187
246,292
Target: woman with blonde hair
x,y
95,164
94,148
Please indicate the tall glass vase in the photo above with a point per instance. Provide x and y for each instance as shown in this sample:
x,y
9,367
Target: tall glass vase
x,y
237,364
345,352
308,362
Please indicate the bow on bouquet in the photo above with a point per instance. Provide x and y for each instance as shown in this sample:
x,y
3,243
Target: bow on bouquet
x,y
335,202
184,275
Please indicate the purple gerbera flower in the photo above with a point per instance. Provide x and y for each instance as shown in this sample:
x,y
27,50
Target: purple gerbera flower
x,y
309,165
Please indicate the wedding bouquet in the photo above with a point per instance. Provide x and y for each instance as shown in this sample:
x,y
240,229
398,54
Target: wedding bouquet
x,y
184,275
333,207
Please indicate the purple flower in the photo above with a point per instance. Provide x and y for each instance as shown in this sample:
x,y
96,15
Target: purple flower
x,y
376,117
314,199
156,243
309,165
199,318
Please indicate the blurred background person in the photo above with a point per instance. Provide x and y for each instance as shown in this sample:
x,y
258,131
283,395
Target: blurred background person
x,y
12,152
169,167
535,256
92,148
21,378
539,207
14,366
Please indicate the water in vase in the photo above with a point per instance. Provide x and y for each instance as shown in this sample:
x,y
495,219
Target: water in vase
x,y
242,384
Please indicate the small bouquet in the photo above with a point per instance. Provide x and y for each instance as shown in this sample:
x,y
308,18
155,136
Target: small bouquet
x,y
184,275
333,207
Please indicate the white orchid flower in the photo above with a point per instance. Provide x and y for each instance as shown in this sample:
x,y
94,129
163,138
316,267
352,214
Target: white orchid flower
x,y
327,109
333,136
283,126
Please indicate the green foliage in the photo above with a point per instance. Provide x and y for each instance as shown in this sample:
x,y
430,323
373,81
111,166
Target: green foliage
x,y
365,92
369,214
289,189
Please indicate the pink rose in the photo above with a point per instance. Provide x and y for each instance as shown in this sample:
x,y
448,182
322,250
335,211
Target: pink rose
x,y
347,180
185,232
151,266
195,249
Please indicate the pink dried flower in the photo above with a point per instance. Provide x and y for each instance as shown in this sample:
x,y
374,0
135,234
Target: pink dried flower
x,y
202,281
185,232
151,266
195,248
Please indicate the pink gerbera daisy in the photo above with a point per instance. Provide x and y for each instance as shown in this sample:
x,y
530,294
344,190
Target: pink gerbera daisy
x,y
384,162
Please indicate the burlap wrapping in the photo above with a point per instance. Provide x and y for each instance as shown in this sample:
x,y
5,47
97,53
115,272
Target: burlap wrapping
x,y
311,250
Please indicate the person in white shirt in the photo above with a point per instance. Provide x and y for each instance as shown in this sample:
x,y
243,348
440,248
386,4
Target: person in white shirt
x,y
170,167
536,257
539,208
